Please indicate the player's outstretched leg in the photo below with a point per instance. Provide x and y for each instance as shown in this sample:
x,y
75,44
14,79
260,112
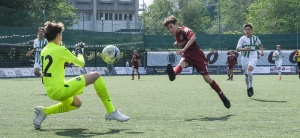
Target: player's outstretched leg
x,y
111,112
217,89
222,96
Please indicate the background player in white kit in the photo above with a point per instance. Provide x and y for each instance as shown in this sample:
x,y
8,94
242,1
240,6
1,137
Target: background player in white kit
x,y
278,55
248,44
38,44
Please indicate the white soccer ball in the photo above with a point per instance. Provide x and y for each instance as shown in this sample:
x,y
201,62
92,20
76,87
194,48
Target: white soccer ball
x,y
110,54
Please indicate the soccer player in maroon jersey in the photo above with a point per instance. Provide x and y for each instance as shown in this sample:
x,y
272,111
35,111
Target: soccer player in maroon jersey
x,y
231,61
135,64
191,55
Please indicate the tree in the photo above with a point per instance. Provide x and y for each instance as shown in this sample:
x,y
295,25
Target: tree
x,y
28,13
233,14
191,13
273,16
194,15
155,15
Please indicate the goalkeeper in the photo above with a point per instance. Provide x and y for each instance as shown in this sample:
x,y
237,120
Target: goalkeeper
x,y
53,57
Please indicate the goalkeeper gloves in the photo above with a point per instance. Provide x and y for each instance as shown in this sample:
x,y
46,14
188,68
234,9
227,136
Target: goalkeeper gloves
x,y
79,48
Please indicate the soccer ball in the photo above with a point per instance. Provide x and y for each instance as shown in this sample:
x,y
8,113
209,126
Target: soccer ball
x,y
110,54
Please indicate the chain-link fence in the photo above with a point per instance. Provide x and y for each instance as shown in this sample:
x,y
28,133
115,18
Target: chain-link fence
x,y
218,25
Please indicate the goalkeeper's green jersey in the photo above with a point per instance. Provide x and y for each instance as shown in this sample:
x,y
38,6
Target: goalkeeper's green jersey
x,y
53,59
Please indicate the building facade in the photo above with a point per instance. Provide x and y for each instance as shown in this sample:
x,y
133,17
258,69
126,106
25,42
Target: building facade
x,y
106,15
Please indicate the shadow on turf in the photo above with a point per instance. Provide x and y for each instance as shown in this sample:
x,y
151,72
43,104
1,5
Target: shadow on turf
x,y
79,132
222,118
270,101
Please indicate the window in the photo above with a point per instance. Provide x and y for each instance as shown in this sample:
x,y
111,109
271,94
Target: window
x,y
106,1
129,16
106,16
126,1
83,1
110,16
100,15
118,16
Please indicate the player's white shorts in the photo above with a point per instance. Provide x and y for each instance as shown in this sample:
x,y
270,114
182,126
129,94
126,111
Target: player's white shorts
x,y
248,62
37,65
278,63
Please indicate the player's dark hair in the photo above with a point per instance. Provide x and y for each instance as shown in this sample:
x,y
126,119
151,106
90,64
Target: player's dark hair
x,y
40,28
52,29
248,25
170,20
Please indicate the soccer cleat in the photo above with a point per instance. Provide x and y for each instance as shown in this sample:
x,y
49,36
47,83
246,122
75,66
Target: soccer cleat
x,y
280,78
139,77
116,115
39,117
226,102
228,79
250,91
231,79
132,79
171,72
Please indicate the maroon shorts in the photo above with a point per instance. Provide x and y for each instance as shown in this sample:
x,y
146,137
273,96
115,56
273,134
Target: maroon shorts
x,y
196,59
230,67
135,66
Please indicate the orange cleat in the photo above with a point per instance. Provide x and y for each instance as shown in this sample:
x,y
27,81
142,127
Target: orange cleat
x,y
280,78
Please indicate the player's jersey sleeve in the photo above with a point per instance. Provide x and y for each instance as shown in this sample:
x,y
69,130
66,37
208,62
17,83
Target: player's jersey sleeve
x,y
34,43
67,56
239,44
188,33
257,41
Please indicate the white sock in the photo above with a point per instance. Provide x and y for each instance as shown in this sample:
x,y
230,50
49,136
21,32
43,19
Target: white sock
x,y
250,78
247,82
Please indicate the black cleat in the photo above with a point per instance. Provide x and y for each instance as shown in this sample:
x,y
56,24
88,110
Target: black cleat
x,y
171,72
226,102
250,91
228,79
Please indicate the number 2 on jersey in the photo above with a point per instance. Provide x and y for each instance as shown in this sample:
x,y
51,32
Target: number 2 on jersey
x,y
45,72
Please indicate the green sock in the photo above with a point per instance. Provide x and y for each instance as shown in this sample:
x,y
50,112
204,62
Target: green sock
x,y
102,92
58,108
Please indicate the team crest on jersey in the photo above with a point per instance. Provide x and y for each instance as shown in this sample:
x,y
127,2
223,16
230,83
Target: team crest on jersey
x,y
172,58
181,37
